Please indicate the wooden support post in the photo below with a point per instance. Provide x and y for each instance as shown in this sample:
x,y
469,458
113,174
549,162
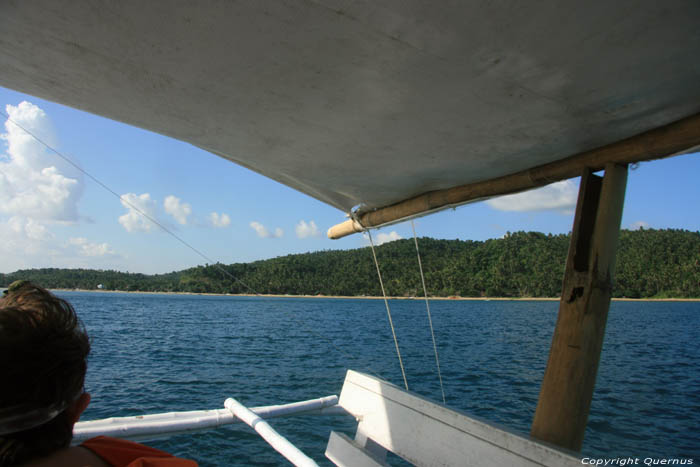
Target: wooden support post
x,y
567,387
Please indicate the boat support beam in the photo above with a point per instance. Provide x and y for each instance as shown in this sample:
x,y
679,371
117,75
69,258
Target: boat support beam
x,y
672,139
569,380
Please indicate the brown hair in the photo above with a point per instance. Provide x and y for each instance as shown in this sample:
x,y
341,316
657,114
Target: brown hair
x,y
43,358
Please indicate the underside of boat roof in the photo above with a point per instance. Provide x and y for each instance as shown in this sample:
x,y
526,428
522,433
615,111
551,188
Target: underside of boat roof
x,y
367,103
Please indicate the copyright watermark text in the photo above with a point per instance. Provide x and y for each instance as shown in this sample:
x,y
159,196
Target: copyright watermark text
x,y
623,461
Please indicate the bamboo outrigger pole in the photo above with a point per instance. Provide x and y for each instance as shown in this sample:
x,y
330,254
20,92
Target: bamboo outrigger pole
x,y
654,144
569,380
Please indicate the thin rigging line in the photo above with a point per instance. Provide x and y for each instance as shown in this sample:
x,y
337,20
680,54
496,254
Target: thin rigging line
x,y
216,265
427,307
388,311
132,206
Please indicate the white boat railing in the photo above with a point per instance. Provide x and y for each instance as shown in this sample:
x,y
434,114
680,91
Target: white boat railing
x,y
278,442
426,433
389,420
145,427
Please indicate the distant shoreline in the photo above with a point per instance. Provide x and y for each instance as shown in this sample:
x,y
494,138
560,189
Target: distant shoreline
x,y
652,263
368,297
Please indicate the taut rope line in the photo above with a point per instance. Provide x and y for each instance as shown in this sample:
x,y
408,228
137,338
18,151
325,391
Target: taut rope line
x,y
388,311
125,201
427,307
215,264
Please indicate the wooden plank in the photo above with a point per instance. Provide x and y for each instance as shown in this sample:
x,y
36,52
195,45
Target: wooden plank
x,y
655,144
343,451
428,434
569,380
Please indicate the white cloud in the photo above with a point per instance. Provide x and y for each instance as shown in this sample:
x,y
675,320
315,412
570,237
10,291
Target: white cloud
x,y
23,239
86,248
134,221
559,196
387,237
39,194
34,182
27,243
639,225
305,230
28,228
264,233
178,210
219,220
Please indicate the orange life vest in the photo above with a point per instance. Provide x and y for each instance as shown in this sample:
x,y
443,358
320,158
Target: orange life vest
x,y
122,453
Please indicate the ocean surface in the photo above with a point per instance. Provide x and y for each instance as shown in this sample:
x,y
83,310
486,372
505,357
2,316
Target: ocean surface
x,y
160,353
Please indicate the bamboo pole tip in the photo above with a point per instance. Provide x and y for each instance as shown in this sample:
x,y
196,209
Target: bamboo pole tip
x,y
344,229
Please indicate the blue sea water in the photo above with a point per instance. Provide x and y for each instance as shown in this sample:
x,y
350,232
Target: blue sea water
x,y
160,353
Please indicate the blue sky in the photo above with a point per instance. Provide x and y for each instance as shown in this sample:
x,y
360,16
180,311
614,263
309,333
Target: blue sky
x,y
51,215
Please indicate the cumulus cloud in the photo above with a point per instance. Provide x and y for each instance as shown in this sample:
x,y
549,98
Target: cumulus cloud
x,y
305,230
86,248
34,182
559,196
219,220
178,210
28,228
27,243
133,220
262,231
387,237
39,194
639,225
23,241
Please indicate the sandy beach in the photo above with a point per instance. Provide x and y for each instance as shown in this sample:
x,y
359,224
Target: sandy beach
x,y
368,297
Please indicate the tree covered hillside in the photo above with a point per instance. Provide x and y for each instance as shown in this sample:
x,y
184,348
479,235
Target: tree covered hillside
x,y
650,263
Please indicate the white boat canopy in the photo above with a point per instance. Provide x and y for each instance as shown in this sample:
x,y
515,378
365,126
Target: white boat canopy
x,y
370,103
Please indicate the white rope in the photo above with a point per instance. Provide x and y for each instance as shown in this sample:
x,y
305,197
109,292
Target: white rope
x,y
131,205
427,307
388,311
215,264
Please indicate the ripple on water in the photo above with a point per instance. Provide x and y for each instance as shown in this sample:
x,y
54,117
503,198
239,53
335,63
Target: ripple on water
x,y
157,353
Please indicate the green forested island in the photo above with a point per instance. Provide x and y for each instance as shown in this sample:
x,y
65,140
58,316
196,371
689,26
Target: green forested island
x,y
650,264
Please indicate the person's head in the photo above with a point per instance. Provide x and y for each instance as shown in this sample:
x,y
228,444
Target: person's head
x,y
43,361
